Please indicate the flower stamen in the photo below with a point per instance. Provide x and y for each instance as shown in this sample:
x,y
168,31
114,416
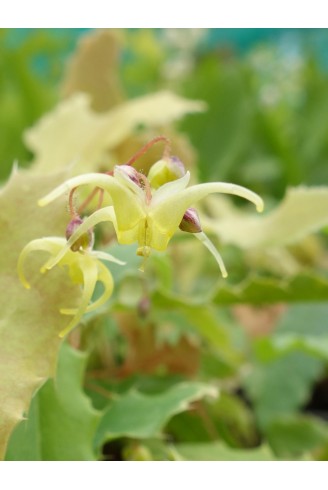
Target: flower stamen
x,y
143,179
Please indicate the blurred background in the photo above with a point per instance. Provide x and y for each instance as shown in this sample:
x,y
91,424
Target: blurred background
x,y
261,336
265,88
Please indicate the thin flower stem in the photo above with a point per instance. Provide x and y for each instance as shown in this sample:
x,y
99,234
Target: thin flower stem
x,y
99,389
88,199
101,197
72,210
147,146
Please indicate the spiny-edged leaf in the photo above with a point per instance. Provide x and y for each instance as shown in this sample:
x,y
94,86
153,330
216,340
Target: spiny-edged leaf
x,y
281,386
217,451
74,134
294,436
303,211
309,286
144,416
25,443
93,69
61,423
30,319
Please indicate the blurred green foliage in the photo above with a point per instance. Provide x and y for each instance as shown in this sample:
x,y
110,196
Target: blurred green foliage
x,y
31,62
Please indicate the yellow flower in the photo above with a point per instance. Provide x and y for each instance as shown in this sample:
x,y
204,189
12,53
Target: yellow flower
x,y
142,214
84,268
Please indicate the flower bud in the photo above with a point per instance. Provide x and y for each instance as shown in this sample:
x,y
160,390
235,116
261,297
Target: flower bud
x,y
128,171
165,170
85,242
144,306
190,222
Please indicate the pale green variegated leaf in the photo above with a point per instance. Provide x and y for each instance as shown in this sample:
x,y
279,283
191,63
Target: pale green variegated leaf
x,y
73,134
217,451
61,423
30,319
302,212
144,416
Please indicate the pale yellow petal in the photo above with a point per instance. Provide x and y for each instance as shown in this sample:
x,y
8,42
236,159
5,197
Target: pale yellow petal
x,y
104,214
97,254
210,246
90,274
195,193
170,189
126,237
49,244
105,277
167,215
123,178
129,209
96,179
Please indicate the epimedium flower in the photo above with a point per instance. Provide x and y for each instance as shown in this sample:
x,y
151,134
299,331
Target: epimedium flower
x,y
85,268
148,210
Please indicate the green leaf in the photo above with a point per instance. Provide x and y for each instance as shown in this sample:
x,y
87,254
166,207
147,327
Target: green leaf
x,y
61,423
303,327
203,320
235,421
222,134
142,65
24,443
228,418
144,416
217,451
294,436
257,290
25,93
283,385
150,450
266,290
30,319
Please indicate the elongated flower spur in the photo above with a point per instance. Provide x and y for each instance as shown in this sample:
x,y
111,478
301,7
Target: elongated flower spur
x,y
84,268
148,210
